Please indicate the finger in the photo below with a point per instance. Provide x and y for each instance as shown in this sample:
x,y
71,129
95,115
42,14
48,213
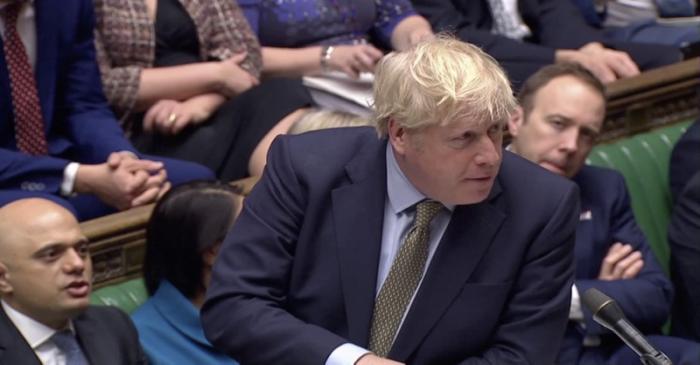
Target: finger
x,y
633,270
149,195
165,118
150,118
151,167
114,160
254,80
239,57
603,72
351,72
615,253
156,180
166,187
134,182
182,122
374,53
622,64
365,62
624,263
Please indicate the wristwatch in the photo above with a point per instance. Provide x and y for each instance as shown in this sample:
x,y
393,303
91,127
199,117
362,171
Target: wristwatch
x,y
326,52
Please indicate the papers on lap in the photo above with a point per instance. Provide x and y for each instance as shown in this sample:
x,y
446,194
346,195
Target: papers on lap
x,y
358,91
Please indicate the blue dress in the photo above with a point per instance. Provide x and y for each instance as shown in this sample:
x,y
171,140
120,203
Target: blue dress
x,y
299,23
170,331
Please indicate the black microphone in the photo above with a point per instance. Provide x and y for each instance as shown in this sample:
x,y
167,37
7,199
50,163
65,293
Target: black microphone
x,y
608,314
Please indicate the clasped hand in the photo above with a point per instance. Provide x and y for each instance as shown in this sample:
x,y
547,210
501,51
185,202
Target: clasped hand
x,y
123,181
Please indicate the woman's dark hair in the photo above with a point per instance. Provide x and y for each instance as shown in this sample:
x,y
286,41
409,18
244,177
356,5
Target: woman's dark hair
x,y
187,220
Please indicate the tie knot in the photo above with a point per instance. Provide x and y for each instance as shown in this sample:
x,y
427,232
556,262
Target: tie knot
x,y
65,340
426,211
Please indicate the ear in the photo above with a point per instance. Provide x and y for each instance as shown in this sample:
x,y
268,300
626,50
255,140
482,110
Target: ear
x,y
5,286
517,118
397,136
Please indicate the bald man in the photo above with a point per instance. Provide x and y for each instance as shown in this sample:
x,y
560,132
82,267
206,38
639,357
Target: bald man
x,y
45,282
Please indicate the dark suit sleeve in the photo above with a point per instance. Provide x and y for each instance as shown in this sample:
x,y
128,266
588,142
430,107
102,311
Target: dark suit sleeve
x,y
685,159
559,24
645,299
244,314
684,239
17,168
533,324
81,105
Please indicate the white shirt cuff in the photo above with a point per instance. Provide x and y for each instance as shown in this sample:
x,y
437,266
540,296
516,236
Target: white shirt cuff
x,y
346,354
575,311
69,174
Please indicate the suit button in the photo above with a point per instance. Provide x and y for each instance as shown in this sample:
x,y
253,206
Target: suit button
x,y
32,186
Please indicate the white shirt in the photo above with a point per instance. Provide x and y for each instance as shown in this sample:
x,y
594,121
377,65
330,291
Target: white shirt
x,y
37,336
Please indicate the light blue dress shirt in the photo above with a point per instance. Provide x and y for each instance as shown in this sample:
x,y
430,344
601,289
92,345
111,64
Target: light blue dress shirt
x,y
399,211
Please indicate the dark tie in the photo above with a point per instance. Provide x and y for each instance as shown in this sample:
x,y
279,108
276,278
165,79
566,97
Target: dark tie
x,y
66,342
402,281
29,127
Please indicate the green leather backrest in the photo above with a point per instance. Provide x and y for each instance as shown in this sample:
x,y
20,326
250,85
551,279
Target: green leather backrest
x,y
643,159
127,295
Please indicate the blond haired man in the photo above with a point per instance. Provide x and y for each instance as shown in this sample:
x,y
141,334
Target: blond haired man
x,y
422,245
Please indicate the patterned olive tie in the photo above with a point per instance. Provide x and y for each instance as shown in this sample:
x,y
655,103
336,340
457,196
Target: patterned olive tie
x,y
402,281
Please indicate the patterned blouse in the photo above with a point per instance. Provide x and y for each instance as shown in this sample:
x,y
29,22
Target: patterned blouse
x,y
299,23
126,44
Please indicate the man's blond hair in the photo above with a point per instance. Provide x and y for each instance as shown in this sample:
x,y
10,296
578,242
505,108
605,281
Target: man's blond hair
x,y
439,81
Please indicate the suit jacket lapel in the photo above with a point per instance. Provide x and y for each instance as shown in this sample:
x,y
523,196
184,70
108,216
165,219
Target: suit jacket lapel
x,y
468,236
91,342
358,210
13,348
46,52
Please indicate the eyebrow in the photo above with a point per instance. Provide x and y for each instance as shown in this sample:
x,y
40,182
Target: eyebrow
x,y
59,245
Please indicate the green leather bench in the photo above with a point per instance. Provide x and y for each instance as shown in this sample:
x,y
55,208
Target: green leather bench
x,y
127,295
643,159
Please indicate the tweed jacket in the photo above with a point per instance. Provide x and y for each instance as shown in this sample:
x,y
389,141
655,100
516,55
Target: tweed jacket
x,y
125,42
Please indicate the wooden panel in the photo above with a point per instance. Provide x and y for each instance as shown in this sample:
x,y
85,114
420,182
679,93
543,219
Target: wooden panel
x,y
653,99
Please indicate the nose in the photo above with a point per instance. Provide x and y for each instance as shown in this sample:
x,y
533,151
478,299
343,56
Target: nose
x,y
489,152
569,141
74,262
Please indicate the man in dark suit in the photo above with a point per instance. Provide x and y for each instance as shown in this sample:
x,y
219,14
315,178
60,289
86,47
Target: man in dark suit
x,y
563,108
684,239
58,136
45,281
424,245
535,33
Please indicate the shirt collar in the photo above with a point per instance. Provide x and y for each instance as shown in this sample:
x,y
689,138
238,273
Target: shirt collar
x,y
34,332
401,192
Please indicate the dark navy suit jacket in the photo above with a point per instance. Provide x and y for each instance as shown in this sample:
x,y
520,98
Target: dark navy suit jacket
x,y
606,218
555,24
685,159
684,239
106,336
296,276
78,123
